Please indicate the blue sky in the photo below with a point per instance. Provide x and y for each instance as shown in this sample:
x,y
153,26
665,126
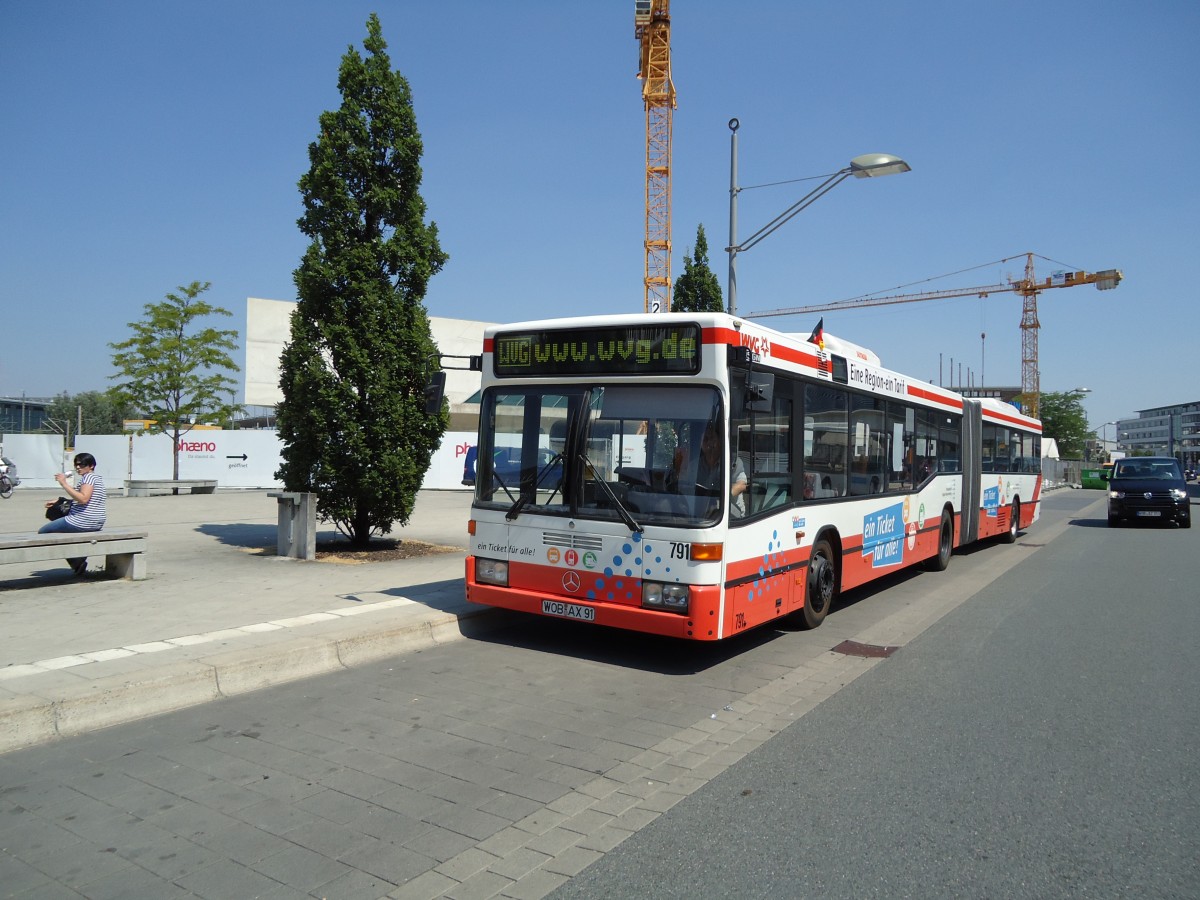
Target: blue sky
x,y
146,145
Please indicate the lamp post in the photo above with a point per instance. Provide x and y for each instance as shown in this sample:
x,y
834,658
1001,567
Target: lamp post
x,y
870,165
1104,434
1105,454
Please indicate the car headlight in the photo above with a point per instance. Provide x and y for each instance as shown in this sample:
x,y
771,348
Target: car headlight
x,y
1116,495
1179,493
491,571
669,597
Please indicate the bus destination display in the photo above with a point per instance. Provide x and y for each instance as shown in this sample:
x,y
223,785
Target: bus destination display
x,y
668,349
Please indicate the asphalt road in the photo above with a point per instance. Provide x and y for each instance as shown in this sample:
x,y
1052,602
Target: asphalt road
x,y
1039,741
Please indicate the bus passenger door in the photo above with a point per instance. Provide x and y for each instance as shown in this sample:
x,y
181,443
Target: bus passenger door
x,y
972,466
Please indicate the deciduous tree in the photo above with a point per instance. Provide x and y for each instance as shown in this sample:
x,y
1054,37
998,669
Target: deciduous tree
x,y
174,372
90,412
1064,419
353,421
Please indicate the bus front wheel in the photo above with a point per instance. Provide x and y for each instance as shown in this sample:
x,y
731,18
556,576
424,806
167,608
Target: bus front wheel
x,y
821,587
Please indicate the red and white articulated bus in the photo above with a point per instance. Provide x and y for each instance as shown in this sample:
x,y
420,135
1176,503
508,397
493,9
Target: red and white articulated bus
x,y
697,475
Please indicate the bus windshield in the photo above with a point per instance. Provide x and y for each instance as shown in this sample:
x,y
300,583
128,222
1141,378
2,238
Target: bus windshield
x,y
607,452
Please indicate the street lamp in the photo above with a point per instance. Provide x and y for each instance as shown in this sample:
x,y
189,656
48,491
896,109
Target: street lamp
x,y
869,165
1104,439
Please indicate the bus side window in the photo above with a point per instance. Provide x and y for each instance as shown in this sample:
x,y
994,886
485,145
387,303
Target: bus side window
x,y
826,435
949,436
765,450
925,462
902,424
989,448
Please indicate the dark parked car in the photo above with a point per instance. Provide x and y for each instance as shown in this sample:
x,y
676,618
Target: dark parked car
x,y
1148,488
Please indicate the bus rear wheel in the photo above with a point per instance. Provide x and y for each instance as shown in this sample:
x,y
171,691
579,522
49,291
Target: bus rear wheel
x,y
945,546
1014,523
821,586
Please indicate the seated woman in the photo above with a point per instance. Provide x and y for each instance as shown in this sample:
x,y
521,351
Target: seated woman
x,y
88,505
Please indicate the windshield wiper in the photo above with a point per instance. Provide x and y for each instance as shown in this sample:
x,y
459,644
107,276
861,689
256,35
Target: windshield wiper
x,y
629,520
523,500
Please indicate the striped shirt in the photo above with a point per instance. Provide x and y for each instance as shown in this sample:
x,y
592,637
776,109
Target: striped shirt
x,y
91,515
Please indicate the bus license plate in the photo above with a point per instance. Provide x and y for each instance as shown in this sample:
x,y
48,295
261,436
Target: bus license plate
x,y
1149,512
568,611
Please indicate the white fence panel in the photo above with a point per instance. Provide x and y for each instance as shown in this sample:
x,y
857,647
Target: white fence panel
x,y
235,459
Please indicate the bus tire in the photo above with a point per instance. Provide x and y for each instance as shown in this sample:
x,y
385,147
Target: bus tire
x,y
1014,523
941,561
820,589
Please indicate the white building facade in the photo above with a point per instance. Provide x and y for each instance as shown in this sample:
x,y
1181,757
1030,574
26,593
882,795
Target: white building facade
x,y
1163,431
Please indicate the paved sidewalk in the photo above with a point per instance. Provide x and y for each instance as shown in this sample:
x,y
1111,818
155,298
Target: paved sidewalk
x,y
219,614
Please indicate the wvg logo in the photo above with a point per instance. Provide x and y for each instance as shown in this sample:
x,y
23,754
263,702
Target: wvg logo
x,y
197,447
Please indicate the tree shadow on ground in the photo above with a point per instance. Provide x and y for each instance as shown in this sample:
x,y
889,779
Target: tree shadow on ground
x,y
330,543
243,535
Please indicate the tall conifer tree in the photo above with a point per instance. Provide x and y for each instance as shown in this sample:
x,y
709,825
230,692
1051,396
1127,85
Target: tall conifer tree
x,y
697,289
353,420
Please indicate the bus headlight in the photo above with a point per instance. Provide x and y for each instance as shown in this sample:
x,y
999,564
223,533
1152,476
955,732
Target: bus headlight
x,y
1179,494
491,571
670,597
1116,495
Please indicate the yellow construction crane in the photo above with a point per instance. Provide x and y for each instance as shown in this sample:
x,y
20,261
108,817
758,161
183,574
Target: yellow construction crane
x,y
1028,287
652,27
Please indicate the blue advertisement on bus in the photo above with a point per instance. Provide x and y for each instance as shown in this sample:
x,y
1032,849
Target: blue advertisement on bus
x,y
991,500
883,536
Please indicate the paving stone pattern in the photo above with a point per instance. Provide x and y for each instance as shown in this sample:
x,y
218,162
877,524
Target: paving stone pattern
x,y
477,769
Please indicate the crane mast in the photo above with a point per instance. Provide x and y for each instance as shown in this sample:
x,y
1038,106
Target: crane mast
x,y
652,27
1028,287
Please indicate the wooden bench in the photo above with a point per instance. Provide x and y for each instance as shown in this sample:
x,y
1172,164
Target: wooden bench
x,y
152,487
124,552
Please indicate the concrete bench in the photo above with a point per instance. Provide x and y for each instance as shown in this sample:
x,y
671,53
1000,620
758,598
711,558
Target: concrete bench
x,y
124,552
152,487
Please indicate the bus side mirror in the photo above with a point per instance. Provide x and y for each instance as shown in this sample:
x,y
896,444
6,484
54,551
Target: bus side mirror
x,y
435,390
760,392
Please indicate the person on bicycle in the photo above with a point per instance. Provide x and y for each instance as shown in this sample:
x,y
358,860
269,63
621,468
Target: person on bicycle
x,y
8,469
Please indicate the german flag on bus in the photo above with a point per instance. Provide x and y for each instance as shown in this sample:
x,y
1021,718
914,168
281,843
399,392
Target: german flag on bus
x,y
818,334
